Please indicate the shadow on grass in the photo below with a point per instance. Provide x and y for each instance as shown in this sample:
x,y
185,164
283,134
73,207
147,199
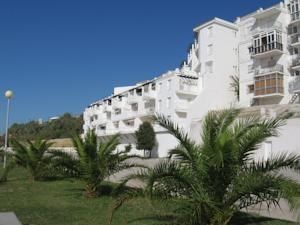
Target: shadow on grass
x,y
162,219
104,190
244,218
238,219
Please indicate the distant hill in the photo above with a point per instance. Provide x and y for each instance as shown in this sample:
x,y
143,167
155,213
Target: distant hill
x,y
65,126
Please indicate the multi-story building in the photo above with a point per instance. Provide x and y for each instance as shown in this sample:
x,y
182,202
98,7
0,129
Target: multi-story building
x,y
262,49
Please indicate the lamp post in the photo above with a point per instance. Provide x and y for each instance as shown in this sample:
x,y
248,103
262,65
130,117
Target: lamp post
x,y
8,94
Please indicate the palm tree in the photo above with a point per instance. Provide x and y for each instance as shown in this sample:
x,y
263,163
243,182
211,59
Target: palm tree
x,y
96,161
32,156
210,182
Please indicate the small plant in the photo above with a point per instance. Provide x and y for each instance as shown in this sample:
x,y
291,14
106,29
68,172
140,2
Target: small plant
x,y
96,161
34,156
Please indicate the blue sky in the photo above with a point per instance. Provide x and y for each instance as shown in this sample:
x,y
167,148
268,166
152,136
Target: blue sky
x,y
60,55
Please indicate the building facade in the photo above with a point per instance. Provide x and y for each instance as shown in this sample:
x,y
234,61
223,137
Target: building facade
x,y
262,49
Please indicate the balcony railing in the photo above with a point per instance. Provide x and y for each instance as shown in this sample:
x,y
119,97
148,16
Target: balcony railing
x,y
133,99
266,48
149,95
269,70
295,16
181,106
117,104
147,112
125,115
189,87
294,85
295,39
107,108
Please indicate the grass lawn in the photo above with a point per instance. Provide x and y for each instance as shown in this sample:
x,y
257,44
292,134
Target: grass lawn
x,y
61,203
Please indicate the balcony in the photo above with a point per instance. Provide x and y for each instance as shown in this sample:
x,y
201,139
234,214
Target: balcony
x,y
267,28
267,13
117,104
181,106
106,132
125,115
295,40
269,70
151,95
267,50
269,86
295,17
188,87
147,112
296,63
132,99
107,108
294,85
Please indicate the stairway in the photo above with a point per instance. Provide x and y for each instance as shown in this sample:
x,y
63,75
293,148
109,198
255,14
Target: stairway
x,y
294,98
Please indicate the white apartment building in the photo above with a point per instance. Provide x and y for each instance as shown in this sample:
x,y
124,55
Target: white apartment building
x,y
262,49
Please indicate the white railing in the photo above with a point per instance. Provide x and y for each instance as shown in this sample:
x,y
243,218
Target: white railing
x,y
267,70
296,61
188,86
294,85
133,99
181,105
295,39
147,112
107,108
149,95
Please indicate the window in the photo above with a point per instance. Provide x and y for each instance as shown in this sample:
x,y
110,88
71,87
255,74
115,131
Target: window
x,y
146,88
169,102
296,73
295,30
209,67
250,68
160,86
210,32
250,88
153,87
269,84
139,91
210,49
108,115
118,111
102,127
135,107
296,51
235,68
116,125
169,84
267,150
159,105
129,123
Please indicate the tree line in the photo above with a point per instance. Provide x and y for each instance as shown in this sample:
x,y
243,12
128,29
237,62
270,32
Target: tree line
x,y
66,126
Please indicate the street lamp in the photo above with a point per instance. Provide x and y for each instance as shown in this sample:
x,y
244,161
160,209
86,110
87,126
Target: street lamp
x,y
8,94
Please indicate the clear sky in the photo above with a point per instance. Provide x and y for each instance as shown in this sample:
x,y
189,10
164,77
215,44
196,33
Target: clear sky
x,y
60,55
